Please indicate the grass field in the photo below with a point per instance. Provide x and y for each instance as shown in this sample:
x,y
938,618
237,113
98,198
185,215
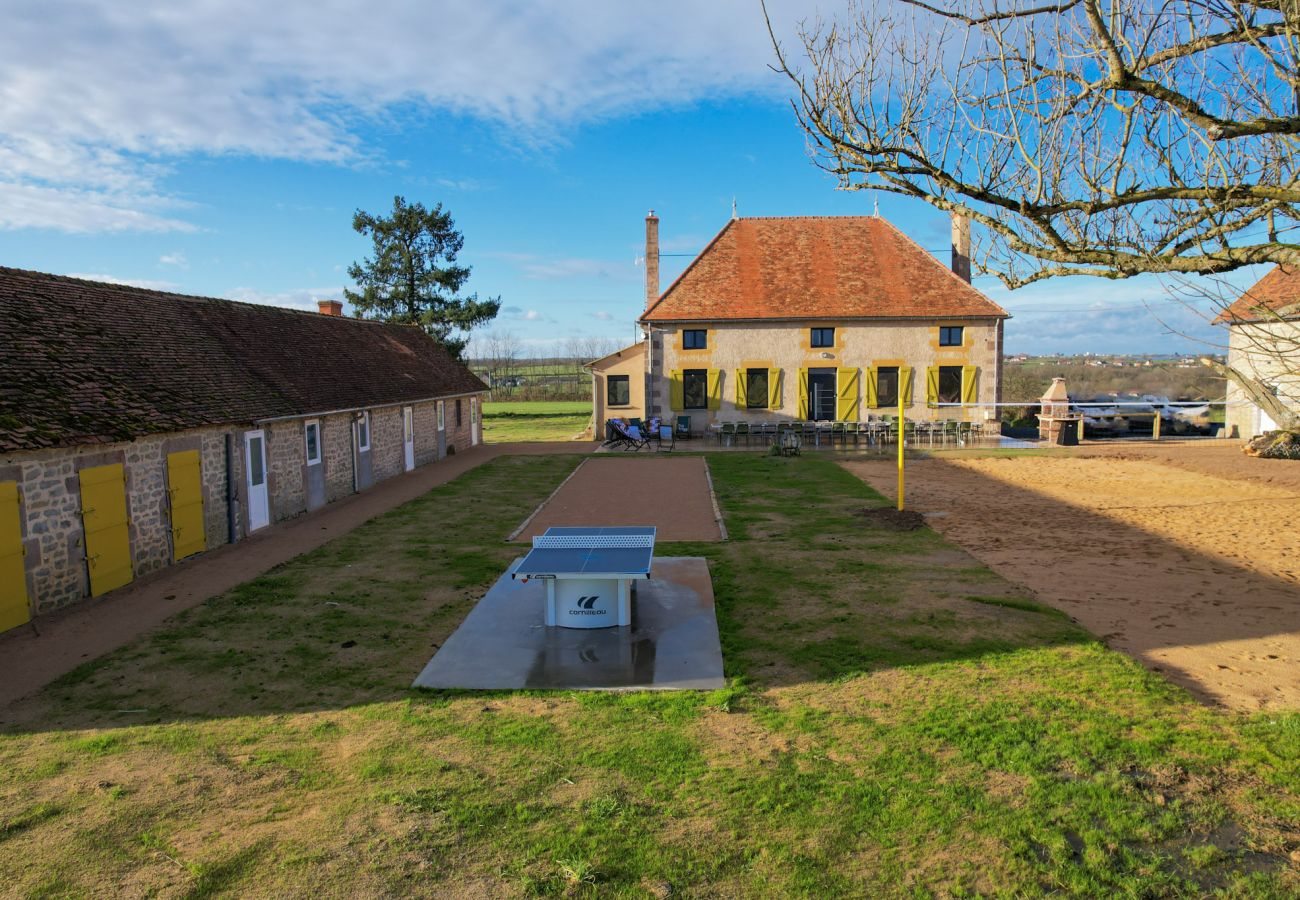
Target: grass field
x,y
899,721
537,420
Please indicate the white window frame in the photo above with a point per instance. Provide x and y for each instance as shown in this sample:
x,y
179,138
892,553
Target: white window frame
x,y
364,420
306,444
442,416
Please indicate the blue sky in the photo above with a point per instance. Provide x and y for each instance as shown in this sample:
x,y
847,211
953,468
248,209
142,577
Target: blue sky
x,y
220,148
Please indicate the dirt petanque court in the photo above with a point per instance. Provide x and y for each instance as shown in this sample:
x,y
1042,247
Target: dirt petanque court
x,y
1187,557
673,493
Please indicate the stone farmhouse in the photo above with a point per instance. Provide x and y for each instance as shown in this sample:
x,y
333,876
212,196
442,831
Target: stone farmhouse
x,y
812,318
138,428
1264,342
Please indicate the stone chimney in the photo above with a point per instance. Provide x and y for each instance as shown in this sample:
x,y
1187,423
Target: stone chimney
x,y
651,259
330,307
961,246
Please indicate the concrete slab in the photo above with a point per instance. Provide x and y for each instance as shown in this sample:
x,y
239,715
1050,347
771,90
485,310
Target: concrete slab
x,y
672,643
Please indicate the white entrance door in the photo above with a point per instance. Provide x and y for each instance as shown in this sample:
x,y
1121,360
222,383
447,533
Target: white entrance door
x,y
259,511
408,436
473,421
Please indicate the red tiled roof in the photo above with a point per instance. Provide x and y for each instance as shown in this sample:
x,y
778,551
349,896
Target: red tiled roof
x,y
85,362
1278,291
810,267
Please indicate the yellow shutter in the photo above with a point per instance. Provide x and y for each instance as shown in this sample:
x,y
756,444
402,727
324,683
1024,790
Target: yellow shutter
x,y
803,394
931,385
675,390
185,491
905,384
970,384
715,388
773,388
846,381
742,389
105,522
14,609
870,387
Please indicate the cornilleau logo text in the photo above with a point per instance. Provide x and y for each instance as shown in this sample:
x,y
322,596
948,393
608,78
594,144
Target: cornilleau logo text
x,y
585,605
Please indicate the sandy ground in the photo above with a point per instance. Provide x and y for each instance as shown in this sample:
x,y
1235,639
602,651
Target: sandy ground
x,y
1195,574
34,655
671,493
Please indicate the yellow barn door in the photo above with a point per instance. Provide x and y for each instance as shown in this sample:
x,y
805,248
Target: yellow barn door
x,y
104,519
14,610
185,490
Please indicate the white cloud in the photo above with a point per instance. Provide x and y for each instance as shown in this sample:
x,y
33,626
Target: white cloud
x,y
293,298
174,259
539,268
603,315
149,283
99,99
1138,315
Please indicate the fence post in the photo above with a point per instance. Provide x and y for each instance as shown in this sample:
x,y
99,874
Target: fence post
x,y
1155,427
902,433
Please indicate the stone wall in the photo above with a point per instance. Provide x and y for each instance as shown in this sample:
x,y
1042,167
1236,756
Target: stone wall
x,y
387,453
50,488
336,442
286,458
51,510
426,433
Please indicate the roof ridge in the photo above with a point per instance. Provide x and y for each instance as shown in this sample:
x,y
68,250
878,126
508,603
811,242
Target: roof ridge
x,y
177,295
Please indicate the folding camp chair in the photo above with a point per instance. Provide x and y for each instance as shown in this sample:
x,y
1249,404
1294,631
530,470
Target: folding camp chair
x,y
682,429
667,435
614,436
632,439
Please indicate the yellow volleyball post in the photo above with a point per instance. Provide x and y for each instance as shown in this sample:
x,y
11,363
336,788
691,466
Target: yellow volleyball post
x,y
1155,427
902,430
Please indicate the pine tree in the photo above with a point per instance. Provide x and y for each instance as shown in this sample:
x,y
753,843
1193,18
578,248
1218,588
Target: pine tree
x,y
413,276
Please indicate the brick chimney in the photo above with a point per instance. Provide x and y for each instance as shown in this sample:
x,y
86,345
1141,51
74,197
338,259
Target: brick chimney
x,y
330,307
651,259
961,246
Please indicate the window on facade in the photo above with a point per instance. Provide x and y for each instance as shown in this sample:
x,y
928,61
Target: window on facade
x,y
950,384
442,415
618,390
458,420
823,337
695,388
887,386
695,339
951,335
756,388
363,431
311,434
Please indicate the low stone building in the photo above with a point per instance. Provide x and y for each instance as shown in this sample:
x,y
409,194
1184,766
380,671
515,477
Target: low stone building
x,y
618,384
1264,343
820,318
138,428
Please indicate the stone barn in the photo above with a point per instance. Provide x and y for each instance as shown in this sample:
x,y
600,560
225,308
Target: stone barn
x,y
138,428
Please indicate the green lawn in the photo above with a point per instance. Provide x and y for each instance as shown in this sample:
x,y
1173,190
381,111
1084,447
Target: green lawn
x,y
899,721
536,420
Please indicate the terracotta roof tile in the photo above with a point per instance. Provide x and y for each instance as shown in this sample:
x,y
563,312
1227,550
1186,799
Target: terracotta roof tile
x,y
807,267
85,362
1278,292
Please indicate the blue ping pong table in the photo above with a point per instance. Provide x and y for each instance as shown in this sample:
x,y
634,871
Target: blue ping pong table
x,y
589,573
